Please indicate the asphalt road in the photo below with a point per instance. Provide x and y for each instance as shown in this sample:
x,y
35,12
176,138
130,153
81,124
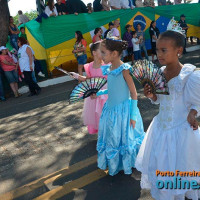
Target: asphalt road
x,y
43,134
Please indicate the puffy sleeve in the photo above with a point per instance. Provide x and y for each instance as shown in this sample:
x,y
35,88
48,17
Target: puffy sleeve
x,y
105,69
84,43
192,92
87,69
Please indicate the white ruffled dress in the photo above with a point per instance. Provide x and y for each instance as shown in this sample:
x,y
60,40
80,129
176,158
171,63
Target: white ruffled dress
x,y
170,143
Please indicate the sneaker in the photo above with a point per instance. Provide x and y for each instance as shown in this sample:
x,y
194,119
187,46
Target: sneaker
x,y
41,74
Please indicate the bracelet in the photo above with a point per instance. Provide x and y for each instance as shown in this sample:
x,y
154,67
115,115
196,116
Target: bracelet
x,y
102,92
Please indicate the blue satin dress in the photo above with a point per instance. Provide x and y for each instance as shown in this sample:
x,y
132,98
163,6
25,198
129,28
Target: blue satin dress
x,y
118,143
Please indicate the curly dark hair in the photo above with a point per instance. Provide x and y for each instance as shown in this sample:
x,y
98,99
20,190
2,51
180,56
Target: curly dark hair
x,y
96,30
114,44
178,38
22,40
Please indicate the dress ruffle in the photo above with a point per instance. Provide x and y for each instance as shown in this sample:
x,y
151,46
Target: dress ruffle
x,y
192,92
183,76
106,69
168,151
170,143
118,143
92,108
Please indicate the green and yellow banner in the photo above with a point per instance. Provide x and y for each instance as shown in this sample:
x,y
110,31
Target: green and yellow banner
x,y
54,38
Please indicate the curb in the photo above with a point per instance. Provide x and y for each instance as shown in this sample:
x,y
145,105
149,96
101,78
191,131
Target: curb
x,y
66,78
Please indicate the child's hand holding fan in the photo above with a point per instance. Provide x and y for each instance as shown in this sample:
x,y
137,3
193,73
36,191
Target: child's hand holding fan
x,y
150,77
87,88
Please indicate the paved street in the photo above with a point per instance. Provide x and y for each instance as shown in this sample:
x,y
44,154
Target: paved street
x,y
43,138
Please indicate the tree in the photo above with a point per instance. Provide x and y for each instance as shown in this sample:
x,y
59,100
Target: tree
x,y
4,21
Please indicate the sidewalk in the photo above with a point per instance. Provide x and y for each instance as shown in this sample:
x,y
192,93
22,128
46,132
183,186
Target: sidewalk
x,y
63,79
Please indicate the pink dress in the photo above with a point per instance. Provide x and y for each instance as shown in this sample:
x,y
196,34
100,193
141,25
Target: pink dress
x,y
93,107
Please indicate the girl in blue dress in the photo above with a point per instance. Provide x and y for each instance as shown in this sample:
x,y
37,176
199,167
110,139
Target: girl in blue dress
x,y
121,128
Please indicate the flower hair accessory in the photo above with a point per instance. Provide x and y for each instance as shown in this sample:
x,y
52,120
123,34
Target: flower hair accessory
x,y
174,26
114,39
95,43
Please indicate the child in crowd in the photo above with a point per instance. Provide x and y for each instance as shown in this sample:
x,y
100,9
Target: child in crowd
x,y
128,37
136,46
140,33
121,128
173,138
22,33
93,108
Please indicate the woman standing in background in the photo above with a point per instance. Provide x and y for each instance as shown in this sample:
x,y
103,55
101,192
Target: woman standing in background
x,y
80,51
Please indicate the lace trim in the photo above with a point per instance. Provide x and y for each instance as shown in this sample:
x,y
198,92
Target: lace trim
x,y
106,69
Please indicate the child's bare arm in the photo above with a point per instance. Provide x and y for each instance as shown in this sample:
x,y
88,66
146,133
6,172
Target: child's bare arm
x,y
77,76
130,84
82,78
138,42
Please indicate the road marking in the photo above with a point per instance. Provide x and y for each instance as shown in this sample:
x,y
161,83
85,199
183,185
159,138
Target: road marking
x,y
48,179
73,186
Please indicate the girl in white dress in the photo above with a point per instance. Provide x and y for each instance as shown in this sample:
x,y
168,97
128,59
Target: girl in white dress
x,y
172,141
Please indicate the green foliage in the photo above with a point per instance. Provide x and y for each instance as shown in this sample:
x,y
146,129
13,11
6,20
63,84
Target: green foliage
x,y
31,15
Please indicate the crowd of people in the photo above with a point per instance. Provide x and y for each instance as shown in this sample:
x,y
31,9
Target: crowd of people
x,y
17,66
62,7
172,140
173,136
19,63
135,39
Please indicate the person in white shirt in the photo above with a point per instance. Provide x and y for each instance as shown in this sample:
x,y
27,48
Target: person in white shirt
x,y
50,9
22,19
126,4
106,5
115,32
26,63
115,4
136,46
